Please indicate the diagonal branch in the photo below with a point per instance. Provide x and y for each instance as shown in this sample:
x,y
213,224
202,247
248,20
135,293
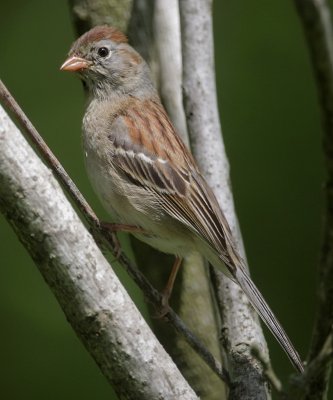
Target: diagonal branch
x,y
91,296
104,236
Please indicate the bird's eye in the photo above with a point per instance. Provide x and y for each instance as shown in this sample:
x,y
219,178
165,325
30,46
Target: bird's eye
x,y
103,52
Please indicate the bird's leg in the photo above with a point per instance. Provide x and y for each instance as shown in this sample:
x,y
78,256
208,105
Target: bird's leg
x,y
114,228
166,293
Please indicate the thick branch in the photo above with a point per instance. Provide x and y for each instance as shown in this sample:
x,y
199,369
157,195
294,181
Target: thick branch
x,y
154,30
96,305
317,25
104,237
167,42
240,328
192,295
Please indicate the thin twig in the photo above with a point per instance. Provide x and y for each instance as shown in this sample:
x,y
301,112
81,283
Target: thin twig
x,y
325,356
51,160
151,294
316,19
302,386
269,372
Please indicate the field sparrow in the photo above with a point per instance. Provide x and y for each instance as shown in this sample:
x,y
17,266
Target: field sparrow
x,y
142,171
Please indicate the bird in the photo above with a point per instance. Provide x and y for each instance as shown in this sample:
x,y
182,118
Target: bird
x,y
144,174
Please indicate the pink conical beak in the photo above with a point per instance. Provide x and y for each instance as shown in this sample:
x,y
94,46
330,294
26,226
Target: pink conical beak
x,y
74,63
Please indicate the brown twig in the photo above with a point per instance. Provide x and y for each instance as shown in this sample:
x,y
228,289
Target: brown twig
x,y
151,294
10,103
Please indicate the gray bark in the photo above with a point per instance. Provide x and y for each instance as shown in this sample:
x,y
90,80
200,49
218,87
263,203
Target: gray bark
x,y
166,27
240,326
90,294
154,30
193,291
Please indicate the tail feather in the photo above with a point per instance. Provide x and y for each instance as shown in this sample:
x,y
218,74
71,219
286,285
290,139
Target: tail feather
x,y
267,316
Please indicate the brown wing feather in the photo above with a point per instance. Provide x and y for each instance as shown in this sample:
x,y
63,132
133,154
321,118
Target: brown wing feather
x,y
172,176
150,154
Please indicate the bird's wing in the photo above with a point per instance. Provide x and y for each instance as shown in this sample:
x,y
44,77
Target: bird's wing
x,y
150,154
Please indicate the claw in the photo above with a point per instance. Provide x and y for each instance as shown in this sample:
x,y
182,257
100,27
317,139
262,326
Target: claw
x,y
163,310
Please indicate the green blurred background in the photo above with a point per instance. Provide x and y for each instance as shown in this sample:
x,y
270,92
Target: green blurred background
x,y
272,130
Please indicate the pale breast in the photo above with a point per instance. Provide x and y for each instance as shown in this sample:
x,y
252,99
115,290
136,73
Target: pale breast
x,y
127,202
103,176
120,197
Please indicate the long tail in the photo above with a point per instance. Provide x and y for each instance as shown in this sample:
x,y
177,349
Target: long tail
x,y
267,316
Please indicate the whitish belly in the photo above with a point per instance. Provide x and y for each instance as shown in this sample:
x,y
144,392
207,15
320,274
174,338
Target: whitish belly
x,y
130,205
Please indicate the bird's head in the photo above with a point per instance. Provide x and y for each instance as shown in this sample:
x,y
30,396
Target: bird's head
x,y
106,62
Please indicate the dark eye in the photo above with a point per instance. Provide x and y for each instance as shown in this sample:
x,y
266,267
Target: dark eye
x,y
103,51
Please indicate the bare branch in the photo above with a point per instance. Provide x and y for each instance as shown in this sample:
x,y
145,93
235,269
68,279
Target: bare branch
x,y
150,293
167,41
48,156
96,305
269,373
193,292
302,386
154,30
317,25
240,324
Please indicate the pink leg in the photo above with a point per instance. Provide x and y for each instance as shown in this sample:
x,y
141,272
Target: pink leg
x,y
169,286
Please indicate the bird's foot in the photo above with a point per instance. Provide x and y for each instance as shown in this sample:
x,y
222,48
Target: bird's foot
x,y
164,307
113,228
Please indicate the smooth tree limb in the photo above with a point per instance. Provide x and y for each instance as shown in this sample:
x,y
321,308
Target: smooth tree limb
x,y
192,295
105,237
240,326
91,296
